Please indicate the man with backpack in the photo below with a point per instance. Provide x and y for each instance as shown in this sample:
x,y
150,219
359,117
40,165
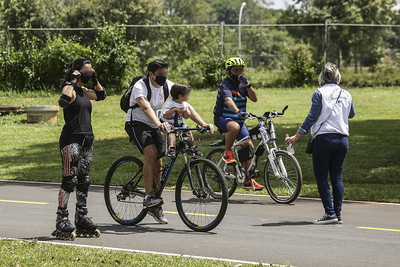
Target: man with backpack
x,y
146,96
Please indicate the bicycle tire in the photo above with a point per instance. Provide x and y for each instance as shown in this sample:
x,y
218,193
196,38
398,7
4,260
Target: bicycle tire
x,y
207,219
277,185
120,173
215,156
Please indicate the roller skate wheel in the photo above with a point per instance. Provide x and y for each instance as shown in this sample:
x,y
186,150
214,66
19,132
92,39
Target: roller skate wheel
x,y
97,233
72,237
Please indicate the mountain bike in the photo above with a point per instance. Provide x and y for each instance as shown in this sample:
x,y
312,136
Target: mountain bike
x,y
124,187
282,173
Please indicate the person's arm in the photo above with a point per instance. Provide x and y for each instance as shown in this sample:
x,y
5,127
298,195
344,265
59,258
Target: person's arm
x,y
68,96
352,111
231,104
312,117
170,113
251,92
185,112
150,114
98,93
194,116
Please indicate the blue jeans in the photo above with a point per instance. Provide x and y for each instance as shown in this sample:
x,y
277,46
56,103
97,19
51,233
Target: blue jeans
x,y
329,153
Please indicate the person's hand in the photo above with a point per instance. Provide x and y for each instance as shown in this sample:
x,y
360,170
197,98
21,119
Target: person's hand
x,y
76,75
292,139
242,115
244,79
210,127
165,126
93,78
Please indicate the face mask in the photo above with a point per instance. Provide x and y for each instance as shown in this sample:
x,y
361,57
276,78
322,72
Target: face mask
x,y
161,80
85,77
234,77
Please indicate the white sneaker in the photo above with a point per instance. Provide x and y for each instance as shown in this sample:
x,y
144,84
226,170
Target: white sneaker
x,y
158,215
326,219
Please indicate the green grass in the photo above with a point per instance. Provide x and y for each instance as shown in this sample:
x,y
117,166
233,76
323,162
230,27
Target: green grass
x,y
372,169
32,253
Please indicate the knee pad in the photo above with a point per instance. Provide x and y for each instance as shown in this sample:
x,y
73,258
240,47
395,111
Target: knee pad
x,y
84,183
69,183
245,153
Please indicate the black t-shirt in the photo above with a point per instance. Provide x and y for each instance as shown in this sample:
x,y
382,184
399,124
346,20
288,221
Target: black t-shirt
x,y
77,118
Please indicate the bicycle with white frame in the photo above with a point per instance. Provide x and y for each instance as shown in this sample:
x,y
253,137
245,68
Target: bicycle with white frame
x,y
282,173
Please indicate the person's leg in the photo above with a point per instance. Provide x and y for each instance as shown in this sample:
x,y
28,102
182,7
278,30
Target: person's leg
x,y
336,170
321,163
84,167
233,129
150,168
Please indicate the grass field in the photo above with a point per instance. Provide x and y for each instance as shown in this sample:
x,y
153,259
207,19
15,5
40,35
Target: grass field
x,y
372,169
32,253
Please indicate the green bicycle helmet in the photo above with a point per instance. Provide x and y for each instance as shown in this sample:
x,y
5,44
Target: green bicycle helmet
x,y
234,61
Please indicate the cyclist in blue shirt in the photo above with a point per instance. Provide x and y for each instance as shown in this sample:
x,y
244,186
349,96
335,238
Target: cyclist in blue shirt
x,y
230,111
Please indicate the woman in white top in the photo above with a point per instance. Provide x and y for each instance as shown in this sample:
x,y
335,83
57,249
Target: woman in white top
x,y
331,108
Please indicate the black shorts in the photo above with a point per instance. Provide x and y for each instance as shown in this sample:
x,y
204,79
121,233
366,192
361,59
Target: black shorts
x,y
143,135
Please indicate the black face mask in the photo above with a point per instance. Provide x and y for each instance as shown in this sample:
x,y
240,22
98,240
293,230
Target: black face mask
x,y
85,76
234,77
161,80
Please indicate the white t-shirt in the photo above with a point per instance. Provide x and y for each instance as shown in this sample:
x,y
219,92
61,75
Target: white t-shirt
x,y
170,104
156,101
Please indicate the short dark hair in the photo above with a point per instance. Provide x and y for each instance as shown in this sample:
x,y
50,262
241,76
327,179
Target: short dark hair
x,y
179,89
156,64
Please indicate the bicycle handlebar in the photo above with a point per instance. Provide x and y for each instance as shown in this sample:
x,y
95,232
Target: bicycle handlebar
x,y
186,129
268,114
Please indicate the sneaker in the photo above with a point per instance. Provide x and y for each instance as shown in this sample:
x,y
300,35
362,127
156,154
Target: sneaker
x,y
340,221
171,151
228,157
252,184
150,201
196,151
158,215
326,219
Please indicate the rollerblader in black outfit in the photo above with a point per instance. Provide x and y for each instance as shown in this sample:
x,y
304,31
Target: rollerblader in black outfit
x,y
76,148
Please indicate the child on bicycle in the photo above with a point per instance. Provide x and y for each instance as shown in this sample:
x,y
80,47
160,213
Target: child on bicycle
x,y
178,106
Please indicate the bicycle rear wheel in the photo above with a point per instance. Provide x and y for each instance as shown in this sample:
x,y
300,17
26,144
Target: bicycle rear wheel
x,y
198,209
228,170
285,187
124,191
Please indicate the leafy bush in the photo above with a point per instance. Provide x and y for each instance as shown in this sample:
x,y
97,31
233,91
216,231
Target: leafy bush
x,y
114,58
300,69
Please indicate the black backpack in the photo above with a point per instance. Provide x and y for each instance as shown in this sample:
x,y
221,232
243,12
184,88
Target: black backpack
x,y
124,103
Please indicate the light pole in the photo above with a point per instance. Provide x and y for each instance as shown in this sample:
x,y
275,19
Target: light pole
x,y
240,22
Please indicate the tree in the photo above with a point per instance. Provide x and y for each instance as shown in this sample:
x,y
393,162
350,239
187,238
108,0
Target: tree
x,y
352,43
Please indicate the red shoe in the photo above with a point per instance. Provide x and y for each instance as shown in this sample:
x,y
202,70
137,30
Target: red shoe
x,y
228,157
252,184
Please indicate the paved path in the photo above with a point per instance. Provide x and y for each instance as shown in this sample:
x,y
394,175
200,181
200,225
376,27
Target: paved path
x,y
254,229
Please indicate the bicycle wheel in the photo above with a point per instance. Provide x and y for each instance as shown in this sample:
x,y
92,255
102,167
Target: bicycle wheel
x,y
197,208
228,170
124,191
285,187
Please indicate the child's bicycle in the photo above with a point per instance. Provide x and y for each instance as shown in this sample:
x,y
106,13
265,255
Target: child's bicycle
x,y
282,173
199,178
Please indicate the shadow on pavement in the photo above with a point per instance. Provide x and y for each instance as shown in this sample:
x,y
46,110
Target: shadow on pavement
x,y
286,223
115,229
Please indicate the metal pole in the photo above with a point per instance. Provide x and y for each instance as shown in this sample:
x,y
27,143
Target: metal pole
x,y
326,41
240,22
8,39
221,42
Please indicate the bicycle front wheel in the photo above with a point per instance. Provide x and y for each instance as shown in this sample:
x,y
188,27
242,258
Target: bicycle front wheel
x,y
285,185
228,170
196,205
124,191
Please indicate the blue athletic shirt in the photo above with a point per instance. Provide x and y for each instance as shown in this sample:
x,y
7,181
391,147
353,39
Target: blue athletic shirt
x,y
238,93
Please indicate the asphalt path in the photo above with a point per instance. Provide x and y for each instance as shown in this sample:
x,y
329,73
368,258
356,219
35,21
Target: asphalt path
x,y
255,228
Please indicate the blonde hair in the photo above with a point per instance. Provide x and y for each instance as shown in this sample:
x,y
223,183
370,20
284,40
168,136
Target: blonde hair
x,y
329,74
